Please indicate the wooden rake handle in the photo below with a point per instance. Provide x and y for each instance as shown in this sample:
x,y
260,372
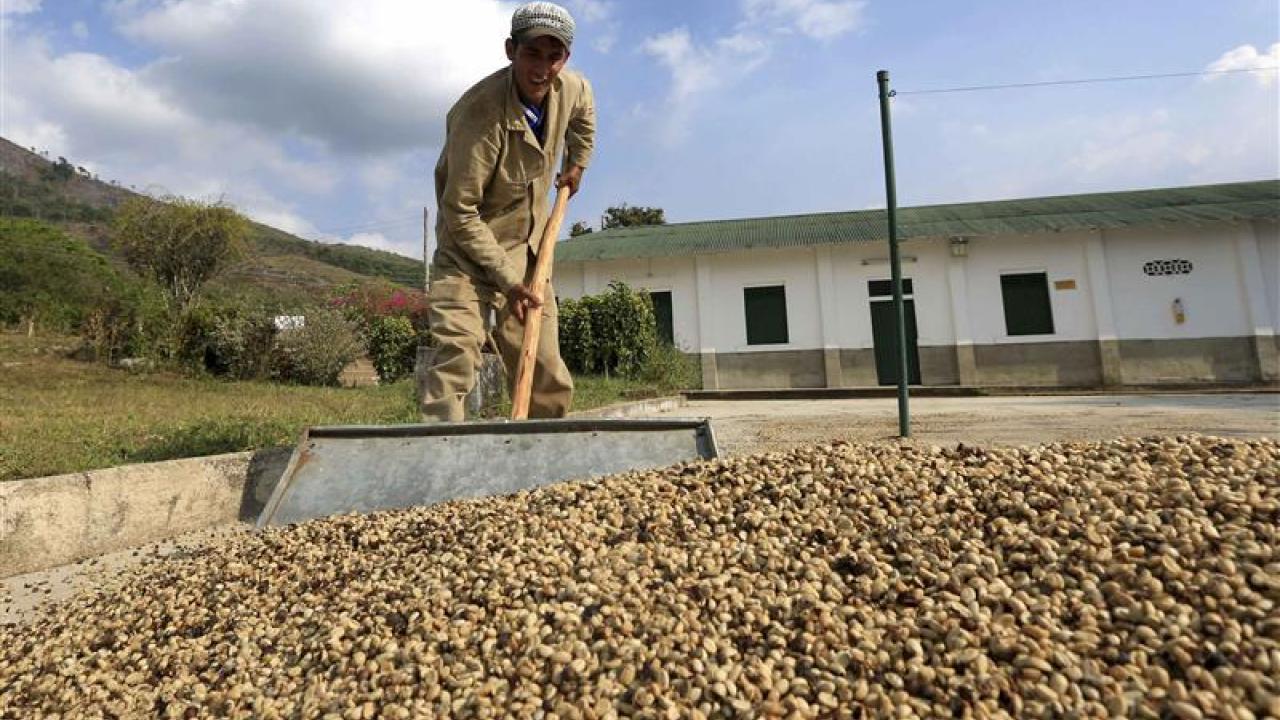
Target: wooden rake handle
x,y
533,318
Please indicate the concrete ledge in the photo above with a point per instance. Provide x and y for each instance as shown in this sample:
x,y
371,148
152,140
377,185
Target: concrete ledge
x,y
636,408
925,391
886,391
50,521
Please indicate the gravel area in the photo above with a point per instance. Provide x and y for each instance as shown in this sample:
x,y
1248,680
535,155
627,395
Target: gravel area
x,y
1134,577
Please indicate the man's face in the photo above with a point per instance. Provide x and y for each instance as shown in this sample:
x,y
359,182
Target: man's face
x,y
535,64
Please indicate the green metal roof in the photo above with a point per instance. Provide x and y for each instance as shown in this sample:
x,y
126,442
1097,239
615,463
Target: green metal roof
x,y
1197,204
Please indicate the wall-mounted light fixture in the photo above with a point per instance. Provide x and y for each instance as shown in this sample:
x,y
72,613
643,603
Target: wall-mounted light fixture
x,y
959,246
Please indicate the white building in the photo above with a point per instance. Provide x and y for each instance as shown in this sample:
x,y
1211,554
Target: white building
x,y
1177,285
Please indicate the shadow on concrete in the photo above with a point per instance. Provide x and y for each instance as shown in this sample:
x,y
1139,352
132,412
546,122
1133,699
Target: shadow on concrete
x,y
265,469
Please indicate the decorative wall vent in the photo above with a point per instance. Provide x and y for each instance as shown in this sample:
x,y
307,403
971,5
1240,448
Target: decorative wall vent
x,y
1167,267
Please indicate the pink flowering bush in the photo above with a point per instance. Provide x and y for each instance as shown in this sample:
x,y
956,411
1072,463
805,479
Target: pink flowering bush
x,y
392,322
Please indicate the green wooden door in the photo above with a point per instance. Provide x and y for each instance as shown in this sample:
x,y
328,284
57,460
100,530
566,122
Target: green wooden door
x,y
662,314
884,332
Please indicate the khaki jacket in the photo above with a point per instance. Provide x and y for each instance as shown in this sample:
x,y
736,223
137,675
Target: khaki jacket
x,y
493,179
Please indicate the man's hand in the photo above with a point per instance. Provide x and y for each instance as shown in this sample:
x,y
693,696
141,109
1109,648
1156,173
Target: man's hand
x,y
521,299
572,176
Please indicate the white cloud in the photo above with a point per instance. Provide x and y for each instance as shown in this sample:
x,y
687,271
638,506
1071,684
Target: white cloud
x,y
744,45
691,68
820,19
381,175
79,30
375,240
113,95
43,136
902,107
271,104
358,75
97,104
697,69
19,7
605,42
1068,146
398,186
601,29
379,241
110,119
592,11
1145,140
1123,150
280,218
1247,57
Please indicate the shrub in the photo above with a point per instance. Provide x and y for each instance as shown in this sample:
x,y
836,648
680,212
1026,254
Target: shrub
x,y
193,331
608,333
106,332
133,324
366,302
316,353
241,345
230,340
393,321
577,344
616,333
611,333
625,328
393,347
668,368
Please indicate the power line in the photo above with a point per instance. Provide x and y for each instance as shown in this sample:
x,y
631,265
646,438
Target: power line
x,y
371,225
1082,81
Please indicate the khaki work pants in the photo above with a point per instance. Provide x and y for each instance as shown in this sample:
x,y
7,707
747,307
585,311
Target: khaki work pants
x,y
458,310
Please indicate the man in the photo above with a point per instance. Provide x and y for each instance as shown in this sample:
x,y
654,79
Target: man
x,y
504,138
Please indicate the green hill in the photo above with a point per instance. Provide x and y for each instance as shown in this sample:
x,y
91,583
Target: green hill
x,y
282,268
355,258
49,278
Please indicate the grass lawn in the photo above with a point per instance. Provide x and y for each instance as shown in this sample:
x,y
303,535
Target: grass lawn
x,y
58,415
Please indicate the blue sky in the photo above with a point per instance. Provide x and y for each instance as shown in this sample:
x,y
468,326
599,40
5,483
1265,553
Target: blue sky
x,y
324,118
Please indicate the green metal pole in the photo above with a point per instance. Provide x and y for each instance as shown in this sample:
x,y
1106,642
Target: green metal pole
x,y
895,262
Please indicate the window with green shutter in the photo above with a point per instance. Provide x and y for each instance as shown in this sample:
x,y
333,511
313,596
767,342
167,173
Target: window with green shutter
x,y
766,310
1027,310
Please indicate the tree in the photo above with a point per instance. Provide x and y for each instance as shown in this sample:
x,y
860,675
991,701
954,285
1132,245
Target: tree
x,y
180,243
579,228
626,216
60,171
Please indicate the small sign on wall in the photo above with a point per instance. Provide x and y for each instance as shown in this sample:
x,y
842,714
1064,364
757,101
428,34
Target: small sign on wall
x,y
1064,284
